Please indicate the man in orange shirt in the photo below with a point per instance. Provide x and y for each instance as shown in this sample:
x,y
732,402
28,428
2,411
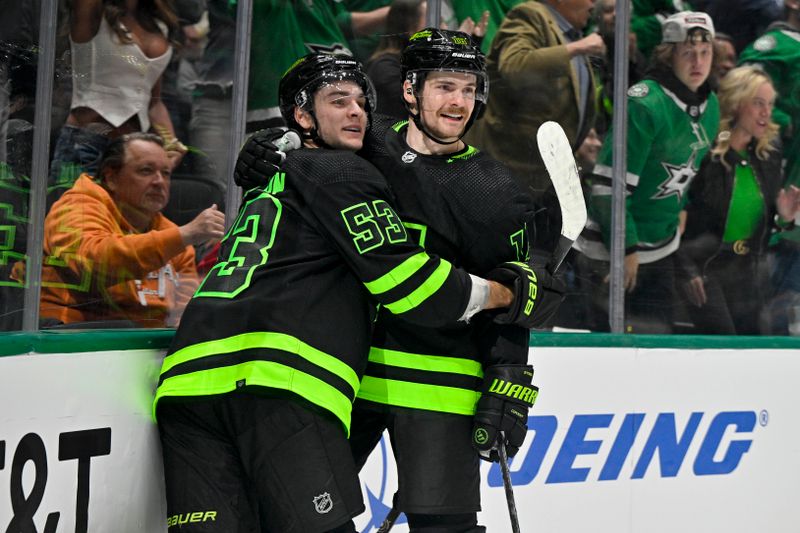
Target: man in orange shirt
x,y
109,252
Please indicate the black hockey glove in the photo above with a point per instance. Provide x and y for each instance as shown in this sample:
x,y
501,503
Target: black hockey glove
x,y
537,294
505,399
261,157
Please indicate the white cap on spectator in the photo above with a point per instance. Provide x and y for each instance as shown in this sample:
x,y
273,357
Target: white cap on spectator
x,y
676,28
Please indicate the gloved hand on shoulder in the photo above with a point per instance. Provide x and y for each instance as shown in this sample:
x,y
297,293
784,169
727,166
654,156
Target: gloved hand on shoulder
x,y
262,156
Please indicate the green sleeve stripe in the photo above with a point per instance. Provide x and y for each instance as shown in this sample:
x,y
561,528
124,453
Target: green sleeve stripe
x,y
259,373
423,292
398,274
268,340
419,396
428,363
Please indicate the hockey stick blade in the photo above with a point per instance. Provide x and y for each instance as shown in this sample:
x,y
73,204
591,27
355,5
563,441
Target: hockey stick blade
x,y
512,506
557,155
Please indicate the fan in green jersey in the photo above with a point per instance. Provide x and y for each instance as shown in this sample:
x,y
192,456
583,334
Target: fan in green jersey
x,y
672,119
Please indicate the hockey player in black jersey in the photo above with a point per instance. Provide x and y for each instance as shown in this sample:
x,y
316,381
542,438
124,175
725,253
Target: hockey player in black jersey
x,y
431,386
255,394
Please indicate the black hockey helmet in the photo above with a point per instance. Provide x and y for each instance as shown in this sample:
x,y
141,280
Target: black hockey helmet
x,y
435,50
302,80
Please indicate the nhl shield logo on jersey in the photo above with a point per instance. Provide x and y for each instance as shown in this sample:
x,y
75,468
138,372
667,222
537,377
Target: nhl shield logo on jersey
x,y
765,43
639,90
409,157
323,503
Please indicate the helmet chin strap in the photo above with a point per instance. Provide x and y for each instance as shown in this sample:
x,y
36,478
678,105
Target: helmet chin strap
x,y
313,133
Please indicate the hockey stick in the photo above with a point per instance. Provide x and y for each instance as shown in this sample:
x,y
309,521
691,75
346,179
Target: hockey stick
x,y
512,506
389,521
557,155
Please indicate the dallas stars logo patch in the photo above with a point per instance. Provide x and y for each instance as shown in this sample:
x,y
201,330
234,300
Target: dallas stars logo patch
x,y
679,179
765,43
638,91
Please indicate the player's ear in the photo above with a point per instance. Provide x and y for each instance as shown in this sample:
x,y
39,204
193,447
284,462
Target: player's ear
x,y
408,94
303,118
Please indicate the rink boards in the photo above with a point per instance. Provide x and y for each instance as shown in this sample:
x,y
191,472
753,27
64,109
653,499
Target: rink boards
x,y
630,434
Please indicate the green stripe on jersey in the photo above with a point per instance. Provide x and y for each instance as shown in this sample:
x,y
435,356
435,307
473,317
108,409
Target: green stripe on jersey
x,y
259,373
419,396
423,292
398,274
428,363
263,339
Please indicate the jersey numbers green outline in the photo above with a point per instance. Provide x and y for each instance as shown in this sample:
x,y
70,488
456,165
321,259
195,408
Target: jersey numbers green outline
x,y
246,230
371,225
423,232
519,241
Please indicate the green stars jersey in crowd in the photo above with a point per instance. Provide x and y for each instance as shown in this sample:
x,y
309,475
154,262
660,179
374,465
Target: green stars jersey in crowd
x,y
665,148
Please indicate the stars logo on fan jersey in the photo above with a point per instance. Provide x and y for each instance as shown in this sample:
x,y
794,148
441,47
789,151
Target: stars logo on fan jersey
x,y
679,179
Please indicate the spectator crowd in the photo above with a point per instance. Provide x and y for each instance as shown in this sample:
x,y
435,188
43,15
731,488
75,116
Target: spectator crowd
x,y
142,113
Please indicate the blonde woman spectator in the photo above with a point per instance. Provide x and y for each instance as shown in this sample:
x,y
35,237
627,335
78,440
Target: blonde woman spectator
x,y
120,49
735,202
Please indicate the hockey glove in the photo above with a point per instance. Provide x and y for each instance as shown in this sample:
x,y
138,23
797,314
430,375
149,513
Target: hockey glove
x,y
505,399
537,294
260,158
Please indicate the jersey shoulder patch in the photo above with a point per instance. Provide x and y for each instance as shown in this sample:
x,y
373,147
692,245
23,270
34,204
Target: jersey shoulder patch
x,y
765,43
639,90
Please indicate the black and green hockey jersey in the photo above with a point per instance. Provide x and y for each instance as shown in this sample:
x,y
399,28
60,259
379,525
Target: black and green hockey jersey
x,y
289,307
467,208
665,147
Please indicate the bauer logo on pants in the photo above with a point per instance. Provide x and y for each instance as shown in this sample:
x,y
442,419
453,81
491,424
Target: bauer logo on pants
x,y
323,503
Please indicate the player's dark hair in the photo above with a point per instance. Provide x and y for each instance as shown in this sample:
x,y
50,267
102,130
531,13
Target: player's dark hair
x,y
302,80
114,155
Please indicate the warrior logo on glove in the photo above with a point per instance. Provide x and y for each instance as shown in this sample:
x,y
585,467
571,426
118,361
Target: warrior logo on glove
x,y
503,407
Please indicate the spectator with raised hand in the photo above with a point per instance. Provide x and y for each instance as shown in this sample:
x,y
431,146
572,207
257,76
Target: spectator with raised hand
x,y
672,118
120,49
383,67
109,252
490,13
539,71
735,202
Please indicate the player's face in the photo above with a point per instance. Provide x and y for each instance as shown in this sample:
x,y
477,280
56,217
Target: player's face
x,y
341,114
142,183
447,102
754,113
691,63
